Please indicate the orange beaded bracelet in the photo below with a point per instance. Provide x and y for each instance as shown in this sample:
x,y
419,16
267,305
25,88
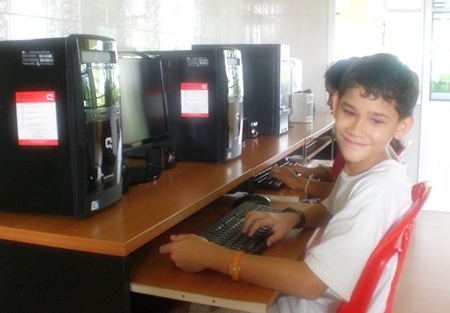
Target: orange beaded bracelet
x,y
235,267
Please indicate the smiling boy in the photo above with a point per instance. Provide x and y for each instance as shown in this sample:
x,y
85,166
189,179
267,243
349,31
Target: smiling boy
x,y
374,104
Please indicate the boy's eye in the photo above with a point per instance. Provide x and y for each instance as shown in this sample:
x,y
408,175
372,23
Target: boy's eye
x,y
377,121
348,112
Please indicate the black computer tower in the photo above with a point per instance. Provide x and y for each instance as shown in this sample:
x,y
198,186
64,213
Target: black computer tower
x,y
267,84
60,125
204,92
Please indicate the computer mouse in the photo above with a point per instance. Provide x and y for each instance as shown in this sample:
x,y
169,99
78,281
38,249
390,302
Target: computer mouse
x,y
256,198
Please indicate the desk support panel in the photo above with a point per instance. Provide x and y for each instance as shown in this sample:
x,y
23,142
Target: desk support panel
x,y
42,279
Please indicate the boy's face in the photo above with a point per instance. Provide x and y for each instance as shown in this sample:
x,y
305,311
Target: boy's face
x,y
364,127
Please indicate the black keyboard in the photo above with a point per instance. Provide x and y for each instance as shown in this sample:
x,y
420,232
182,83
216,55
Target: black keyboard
x,y
227,231
262,180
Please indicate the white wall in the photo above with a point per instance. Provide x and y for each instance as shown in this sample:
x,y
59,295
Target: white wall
x,y
176,24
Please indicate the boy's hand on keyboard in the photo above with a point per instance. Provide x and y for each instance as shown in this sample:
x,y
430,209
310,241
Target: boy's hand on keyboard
x,y
280,223
288,176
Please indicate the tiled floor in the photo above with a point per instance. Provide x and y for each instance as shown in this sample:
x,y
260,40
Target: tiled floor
x,y
425,282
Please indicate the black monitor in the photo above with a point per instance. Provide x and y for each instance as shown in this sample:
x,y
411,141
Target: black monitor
x,y
144,108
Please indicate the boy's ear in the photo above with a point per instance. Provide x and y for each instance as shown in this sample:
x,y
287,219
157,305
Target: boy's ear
x,y
404,126
335,103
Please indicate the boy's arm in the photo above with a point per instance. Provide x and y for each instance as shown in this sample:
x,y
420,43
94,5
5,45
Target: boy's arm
x,y
319,189
288,276
316,214
318,172
319,186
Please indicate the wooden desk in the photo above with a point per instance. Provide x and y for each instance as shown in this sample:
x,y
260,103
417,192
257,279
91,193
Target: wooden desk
x,y
60,255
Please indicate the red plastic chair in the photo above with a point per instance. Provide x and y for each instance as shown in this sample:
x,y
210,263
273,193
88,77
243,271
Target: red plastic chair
x,y
395,241
403,147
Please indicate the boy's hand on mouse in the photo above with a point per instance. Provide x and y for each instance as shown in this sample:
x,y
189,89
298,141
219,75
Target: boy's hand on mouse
x,y
281,224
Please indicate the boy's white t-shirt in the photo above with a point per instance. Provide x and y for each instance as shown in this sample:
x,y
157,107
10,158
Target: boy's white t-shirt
x,y
363,207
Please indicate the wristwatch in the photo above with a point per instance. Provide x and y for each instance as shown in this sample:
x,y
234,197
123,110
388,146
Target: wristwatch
x,y
302,216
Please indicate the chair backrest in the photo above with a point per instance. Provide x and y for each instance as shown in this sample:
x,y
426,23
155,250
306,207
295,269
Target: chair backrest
x,y
394,242
403,147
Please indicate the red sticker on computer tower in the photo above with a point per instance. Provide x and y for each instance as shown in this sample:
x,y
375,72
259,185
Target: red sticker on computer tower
x,y
36,118
194,99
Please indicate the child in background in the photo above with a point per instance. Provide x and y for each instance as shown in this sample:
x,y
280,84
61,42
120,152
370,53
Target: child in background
x,y
374,104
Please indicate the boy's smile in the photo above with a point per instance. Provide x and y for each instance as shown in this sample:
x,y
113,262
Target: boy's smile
x,y
364,127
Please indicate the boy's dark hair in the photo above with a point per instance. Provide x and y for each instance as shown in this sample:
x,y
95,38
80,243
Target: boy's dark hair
x,y
384,75
336,71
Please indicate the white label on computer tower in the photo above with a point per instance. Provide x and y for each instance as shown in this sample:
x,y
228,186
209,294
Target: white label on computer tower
x,y
36,118
197,61
194,99
38,58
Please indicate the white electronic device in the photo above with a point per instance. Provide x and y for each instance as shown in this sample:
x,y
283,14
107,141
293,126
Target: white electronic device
x,y
302,108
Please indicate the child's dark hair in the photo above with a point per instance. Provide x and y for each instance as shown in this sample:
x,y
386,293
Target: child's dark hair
x,y
384,75
335,72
